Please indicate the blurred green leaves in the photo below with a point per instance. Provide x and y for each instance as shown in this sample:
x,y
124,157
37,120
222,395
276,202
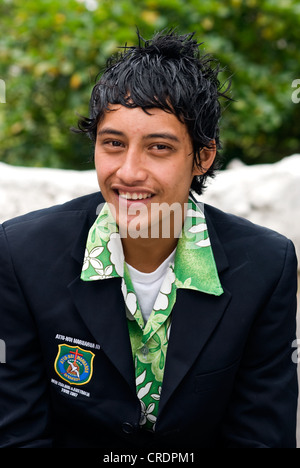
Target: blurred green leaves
x,y
52,51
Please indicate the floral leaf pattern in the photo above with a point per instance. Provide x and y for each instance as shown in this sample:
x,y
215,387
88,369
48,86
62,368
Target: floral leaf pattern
x,y
90,258
144,390
140,378
193,268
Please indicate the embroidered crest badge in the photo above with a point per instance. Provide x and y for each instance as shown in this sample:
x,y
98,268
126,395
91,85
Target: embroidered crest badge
x,y
74,364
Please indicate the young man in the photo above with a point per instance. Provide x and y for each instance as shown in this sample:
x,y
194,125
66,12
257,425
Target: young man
x,y
149,321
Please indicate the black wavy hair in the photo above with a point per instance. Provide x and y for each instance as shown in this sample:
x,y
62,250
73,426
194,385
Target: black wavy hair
x,y
166,72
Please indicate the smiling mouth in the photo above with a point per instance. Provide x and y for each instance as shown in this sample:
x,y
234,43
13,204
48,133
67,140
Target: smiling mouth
x,y
133,195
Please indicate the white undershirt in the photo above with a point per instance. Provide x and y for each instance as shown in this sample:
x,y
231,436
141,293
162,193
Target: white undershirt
x,y
147,285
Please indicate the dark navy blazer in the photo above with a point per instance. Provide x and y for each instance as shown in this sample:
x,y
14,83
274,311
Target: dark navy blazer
x,y
229,380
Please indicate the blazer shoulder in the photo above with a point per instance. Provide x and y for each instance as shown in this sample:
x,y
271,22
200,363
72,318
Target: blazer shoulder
x,y
235,225
87,204
52,228
241,238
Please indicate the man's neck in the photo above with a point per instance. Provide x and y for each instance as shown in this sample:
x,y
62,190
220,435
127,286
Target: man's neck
x,y
147,254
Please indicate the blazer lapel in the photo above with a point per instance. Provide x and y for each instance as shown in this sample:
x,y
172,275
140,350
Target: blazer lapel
x,y
194,317
101,307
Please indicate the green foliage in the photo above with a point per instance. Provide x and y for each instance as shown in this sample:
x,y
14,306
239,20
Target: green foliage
x,y
51,52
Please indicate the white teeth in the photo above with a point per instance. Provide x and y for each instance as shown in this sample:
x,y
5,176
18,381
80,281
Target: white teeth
x,y
134,196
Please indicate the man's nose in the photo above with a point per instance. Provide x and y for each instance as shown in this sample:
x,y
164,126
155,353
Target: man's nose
x,y
132,169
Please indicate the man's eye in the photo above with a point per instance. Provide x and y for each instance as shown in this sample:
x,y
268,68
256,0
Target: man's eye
x,y
161,147
112,143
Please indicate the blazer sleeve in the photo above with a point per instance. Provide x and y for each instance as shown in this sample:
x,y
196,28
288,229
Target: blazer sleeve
x,y
24,408
264,404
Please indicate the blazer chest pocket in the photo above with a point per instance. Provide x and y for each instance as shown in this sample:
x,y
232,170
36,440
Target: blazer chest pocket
x,y
217,380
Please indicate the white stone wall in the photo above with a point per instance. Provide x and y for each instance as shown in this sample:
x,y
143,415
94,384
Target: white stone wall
x,y
25,189
265,194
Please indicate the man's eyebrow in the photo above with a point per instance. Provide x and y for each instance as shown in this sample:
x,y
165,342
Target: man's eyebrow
x,y
167,136
110,131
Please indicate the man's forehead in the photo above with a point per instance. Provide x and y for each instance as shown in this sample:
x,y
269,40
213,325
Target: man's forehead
x,y
154,122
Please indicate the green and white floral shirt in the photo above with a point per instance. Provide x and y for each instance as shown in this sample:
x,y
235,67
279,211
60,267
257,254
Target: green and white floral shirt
x,y
193,268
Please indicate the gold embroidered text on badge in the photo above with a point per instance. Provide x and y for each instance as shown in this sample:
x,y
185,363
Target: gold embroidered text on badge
x,y
74,364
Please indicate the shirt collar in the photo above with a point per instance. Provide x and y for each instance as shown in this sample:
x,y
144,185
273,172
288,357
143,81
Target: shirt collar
x,y
194,264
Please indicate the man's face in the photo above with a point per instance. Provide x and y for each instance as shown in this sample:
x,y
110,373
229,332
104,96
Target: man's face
x,y
143,161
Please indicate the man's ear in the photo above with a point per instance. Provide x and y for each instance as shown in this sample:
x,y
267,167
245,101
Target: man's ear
x,y
207,157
